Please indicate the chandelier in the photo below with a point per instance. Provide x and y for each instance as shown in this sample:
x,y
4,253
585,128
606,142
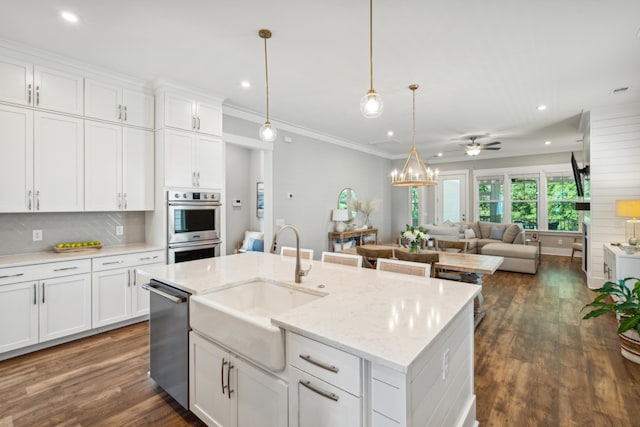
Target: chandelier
x,y
415,172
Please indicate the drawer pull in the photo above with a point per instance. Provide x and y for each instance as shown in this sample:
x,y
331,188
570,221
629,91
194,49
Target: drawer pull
x,y
224,387
65,268
319,364
148,258
112,262
321,392
12,275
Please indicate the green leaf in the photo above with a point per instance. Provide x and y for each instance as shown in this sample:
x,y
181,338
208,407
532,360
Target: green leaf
x,y
628,323
596,313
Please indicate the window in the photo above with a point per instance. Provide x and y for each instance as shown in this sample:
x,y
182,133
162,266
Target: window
x,y
491,199
561,196
415,206
524,201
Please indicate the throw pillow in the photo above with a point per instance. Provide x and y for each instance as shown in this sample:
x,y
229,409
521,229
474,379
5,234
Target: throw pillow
x,y
510,233
485,229
496,232
469,233
253,235
258,245
476,229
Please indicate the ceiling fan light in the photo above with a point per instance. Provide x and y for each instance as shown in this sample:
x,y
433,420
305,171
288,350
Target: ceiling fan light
x,y
473,151
371,105
267,132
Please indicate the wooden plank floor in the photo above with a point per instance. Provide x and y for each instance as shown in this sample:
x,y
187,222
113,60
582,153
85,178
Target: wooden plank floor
x,y
537,364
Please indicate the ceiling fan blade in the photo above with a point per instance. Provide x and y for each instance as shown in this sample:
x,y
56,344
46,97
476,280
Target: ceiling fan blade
x,y
492,143
490,148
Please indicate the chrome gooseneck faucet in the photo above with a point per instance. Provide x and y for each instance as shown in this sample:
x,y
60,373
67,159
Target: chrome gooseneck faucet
x,y
299,271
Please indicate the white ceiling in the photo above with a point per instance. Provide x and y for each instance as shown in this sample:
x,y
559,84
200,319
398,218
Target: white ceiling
x,y
482,66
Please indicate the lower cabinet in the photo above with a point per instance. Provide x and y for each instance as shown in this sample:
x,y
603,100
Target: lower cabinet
x,y
41,310
117,295
227,391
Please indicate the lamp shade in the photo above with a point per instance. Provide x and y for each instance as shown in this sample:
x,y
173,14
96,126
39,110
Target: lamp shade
x,y
340,215
628,208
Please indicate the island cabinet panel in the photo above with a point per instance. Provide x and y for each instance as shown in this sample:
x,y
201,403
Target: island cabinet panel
x,y
227,391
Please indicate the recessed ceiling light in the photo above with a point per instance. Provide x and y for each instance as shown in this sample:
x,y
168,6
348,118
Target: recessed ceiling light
x,y
245,84
547,143
439,154
390,133
69,16
541,107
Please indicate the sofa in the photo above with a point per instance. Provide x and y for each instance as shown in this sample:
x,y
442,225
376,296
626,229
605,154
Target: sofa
x,y
490,238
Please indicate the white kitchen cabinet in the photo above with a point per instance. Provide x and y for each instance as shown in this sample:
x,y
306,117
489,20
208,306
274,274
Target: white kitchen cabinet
x,y
42,87
325,384
119,168
58,163
225,390
43,302
192,160
16,152
184,112
43,161
112,102
116,291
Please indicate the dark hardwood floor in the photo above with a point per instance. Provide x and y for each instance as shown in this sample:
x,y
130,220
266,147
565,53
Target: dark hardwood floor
x,y
536,362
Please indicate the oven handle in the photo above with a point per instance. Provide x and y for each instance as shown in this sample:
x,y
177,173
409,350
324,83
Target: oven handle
x,y
200,244
173,298
195,205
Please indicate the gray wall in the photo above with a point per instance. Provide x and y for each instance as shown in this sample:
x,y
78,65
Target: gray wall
x,y
16,230
238,164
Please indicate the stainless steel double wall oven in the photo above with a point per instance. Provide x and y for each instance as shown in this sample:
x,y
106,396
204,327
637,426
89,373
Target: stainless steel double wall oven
x,y
193,220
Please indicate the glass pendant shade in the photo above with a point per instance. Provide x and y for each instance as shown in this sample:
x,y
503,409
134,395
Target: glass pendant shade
x,y
371,105
473,151
267,132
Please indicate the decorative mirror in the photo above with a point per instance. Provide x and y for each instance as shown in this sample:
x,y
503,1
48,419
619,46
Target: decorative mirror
x,y
344,202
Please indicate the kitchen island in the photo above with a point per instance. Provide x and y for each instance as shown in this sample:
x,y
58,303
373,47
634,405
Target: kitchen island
x,y
410,340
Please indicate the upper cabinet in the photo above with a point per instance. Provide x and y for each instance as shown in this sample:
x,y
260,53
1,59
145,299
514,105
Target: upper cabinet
x,y
112,102
187,113
27,84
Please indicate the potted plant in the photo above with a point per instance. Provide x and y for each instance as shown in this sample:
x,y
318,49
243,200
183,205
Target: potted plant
x,y
625,304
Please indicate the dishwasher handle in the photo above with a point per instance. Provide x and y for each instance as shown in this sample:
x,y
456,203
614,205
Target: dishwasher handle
x,y
173,298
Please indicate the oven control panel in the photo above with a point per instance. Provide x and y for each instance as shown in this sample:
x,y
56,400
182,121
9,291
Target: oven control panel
x,y
175,196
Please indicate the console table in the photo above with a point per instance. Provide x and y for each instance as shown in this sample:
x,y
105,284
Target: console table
x,y
357,234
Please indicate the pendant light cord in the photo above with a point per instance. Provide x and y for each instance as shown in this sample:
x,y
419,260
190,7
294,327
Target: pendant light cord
x,y
371,44
414,116
266,73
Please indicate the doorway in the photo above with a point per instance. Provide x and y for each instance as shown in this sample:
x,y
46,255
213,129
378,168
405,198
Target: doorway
x,y
452,197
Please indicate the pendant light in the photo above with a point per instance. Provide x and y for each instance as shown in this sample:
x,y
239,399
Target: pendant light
x,y
371,104
414,173
267,132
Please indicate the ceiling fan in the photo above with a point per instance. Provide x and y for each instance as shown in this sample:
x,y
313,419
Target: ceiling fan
x,y
474,148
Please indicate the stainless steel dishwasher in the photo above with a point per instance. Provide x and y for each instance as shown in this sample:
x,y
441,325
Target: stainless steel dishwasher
x,y
169,340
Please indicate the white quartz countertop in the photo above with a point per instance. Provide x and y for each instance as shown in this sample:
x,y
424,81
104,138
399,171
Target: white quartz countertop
x,y
384,317
51,256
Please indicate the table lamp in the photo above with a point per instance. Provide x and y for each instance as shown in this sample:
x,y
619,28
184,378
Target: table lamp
x,y
339,216
629,208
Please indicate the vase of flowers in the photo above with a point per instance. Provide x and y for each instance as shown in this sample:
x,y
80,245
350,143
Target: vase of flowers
x,y
414,236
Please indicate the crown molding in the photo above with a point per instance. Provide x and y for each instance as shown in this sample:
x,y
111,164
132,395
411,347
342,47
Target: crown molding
x,y
252,116
243,141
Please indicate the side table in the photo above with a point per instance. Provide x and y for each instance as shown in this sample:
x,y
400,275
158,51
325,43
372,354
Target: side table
x,y
539,243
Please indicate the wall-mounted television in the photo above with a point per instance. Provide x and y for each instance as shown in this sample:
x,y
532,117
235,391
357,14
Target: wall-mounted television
x,y
577,176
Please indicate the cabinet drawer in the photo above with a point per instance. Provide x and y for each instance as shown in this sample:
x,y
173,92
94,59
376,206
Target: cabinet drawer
x,y
327,363
43,271
127,260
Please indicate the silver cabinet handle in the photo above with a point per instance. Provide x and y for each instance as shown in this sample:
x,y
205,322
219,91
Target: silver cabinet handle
x,y
35,298
43,292
193,179
125,113
128,278
321,392
193,122
198,117
198,179
229,368
125,197
224,387
134,277
112,262
29,200
12,275
119,111
177,300
148,258
38,95
29,94
65,268
38,200
319,364
119,200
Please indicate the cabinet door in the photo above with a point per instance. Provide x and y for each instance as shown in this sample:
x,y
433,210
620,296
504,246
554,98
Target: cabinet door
x,y
16,81
18,315
315,403
58,90
178,158
58,163
208,373
179,112
103,166
65,306
209,119
209,162
16,152
102,100
137,169
261,399
138,108
139,295
111,296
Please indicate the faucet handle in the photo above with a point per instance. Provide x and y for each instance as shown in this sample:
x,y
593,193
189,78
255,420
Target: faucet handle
x,y
303,273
